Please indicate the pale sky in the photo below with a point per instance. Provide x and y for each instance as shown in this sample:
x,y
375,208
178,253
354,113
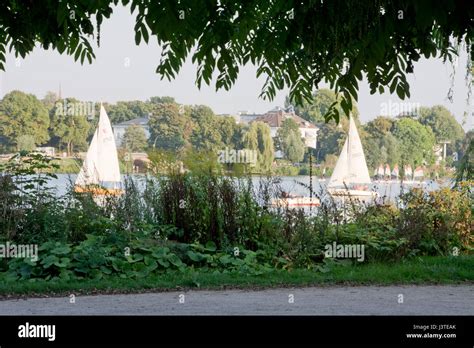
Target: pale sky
x,y
109,78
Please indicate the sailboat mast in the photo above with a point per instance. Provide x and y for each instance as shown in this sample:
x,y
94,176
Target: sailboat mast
x,y
349,148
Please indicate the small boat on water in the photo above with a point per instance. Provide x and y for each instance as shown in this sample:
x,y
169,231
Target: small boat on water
x,y
100,172
418,173
387,172
395,173
408,173
296,201
351,175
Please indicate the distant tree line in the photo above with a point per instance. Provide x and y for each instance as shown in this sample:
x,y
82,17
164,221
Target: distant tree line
x,y
68,125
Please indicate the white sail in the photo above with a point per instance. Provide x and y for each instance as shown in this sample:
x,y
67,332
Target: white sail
x,y
88,175
387,170
418,173
408,172
395,171
380,171
351,167
101,164
339,175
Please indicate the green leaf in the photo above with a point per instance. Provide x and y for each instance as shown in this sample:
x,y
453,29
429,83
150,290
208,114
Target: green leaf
x,y
83,56
144,32
63,262
149,260
49,260
400,92
138,37
105,270
175,260
194,256
134,258
61,250
164,263
211,246
225,259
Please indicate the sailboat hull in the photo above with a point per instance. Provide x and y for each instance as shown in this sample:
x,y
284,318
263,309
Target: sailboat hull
x,y
98,191
296,202
352,193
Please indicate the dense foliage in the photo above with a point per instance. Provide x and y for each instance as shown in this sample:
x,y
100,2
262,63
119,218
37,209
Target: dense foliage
x,y
22,115
408,138
290,142
211,223
135,139
294,44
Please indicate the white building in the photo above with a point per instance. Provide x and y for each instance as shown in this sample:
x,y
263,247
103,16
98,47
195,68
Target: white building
x,y
46,150
119,129
245,117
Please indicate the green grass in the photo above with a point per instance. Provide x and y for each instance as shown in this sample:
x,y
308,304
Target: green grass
x,y
425,270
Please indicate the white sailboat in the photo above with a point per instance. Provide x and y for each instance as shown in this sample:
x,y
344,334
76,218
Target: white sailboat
x,y
408,173
395,172
295,202
100,172
418,173
351,175
387,171
380,172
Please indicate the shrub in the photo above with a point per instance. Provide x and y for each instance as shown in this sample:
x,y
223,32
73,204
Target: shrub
x,y
438,221
286,170
29,210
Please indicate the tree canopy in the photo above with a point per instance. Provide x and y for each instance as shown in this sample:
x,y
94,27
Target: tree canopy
x,y
443,124
290,142
317,109
257,137
22,114
205,135
294,44
67,131
416,141
166,127
134,138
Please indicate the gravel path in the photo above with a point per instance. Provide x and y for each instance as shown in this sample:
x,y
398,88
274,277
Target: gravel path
x,y
360,300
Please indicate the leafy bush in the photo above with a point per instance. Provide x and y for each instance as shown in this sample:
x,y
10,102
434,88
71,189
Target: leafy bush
x,y
100,256
210,208
438,221
29,210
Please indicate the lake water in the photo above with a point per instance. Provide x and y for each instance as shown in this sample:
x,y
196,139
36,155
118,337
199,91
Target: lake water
x,y
296,185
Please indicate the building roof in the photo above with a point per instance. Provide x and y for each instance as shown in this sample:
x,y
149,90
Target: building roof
x,y
141,121
276,117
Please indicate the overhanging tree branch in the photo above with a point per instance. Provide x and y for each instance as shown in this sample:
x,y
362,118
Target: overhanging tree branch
x,y
297,44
